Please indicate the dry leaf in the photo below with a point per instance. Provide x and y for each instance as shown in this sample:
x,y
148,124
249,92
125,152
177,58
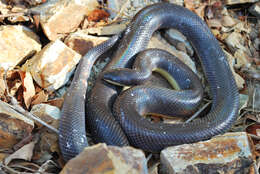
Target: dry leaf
x,y
36,20
58,102
13,90
24,153
97,15
28,87
201,10
2,83
39,98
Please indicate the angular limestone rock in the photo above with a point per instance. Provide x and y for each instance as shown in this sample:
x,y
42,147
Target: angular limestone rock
x,y
104,159
174,37
59,17
13,126
53,65
235,41
127,8
239,80
81,42
229,153
255,9
16,44
45,112
232,2
108,29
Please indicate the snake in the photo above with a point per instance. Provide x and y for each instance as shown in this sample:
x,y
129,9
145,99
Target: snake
x,y
113,116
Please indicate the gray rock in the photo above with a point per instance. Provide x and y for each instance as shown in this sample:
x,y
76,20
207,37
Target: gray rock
x,y
17,44
53,65
13,126
175,37
103,159
255,9
229,153
232,2
55,14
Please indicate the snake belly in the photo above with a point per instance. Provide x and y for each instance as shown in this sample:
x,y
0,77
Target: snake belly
x,y
225,98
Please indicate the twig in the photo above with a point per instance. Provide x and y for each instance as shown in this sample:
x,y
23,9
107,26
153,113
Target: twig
x,y
12,15
254,136
43,167
198,112
22,111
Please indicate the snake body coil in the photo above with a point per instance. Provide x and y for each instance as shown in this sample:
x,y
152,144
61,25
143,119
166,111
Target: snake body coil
x,y
143,134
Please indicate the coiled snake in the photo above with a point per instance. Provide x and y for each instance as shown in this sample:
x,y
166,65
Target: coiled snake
x,y
124,126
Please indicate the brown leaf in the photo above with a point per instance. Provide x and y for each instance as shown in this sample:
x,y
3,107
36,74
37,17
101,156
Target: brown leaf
x,y
39,98
201,10
36,20
28,87
2,83
24,153
97,15
58,102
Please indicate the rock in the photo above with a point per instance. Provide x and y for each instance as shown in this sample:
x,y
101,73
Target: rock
x,y
46,113
108,29
53,65
13,126
130,7
255,9
257,44
158,42
104,159
242,59
228,21
239,80
232,2
126,9
16,44
175,37
178,2
59,17
229,153
81,42
235,41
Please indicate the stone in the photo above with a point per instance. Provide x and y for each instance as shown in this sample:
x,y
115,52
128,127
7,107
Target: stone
x,y
108,29
103,159
228,21
242,59
130,7
127,8
158,42
239,80
232,2
255,9
82,42
229,153
235,41
16,44
59,17
175,37
46,113
53,65
13,126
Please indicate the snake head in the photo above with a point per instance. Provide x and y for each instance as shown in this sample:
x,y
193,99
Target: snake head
x,y
122,77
